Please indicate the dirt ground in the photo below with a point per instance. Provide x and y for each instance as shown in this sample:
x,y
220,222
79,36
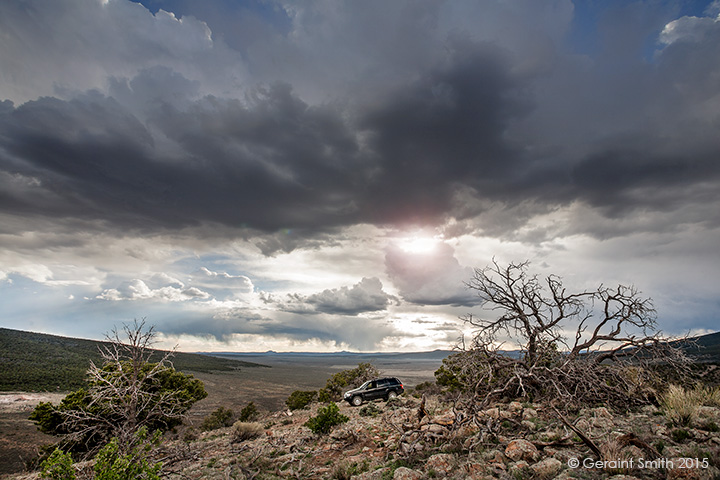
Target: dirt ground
x,y
19,439
268,388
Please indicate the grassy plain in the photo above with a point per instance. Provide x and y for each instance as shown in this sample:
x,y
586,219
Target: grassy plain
x,y
270,387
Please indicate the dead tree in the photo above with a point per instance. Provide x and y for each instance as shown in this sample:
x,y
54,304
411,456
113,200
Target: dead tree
x,y
130,391
614,336
123,384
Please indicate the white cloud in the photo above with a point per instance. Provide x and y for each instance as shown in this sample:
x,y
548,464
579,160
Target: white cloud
x,y
77,45
365,296
222,284
138,290
691,29
434,277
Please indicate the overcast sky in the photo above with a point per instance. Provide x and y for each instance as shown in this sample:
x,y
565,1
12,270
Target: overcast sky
x,y
324,175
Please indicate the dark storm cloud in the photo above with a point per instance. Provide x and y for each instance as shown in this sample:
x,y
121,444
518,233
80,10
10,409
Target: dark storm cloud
x,y
445,130
451,137
268,162
276,163
666,157
622,180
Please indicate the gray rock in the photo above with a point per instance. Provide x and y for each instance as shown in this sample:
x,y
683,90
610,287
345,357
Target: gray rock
x,y
547,468
404,473
374,475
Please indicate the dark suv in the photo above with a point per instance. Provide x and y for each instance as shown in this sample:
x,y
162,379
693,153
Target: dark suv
x,y
385,388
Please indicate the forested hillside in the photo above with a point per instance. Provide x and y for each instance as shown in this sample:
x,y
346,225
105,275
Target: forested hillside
x,y
705,348
40,362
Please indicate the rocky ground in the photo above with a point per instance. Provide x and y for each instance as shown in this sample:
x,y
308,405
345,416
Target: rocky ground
x,y
508,441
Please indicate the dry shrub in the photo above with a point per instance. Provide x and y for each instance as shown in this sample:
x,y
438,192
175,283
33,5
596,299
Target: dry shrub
x,y
243,431
617,459
714,399
681,406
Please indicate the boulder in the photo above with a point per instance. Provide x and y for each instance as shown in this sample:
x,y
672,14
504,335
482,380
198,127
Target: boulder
x,y
441,463
529,413
547,468
494,456
520,449
404,473
515,407
520,469
492,413
374,475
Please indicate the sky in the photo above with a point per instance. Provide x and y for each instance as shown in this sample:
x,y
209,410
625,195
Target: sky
x,y
325,175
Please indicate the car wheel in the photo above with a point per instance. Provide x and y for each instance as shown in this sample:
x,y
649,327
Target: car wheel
x,y
357,401
392,395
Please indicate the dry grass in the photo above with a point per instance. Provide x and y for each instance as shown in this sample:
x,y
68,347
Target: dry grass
x,y
242,431
681,406
616,458
708,396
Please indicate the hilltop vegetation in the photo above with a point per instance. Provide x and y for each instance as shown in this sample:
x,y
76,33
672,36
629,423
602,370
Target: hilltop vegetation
x,y
427,434
418,437
34,362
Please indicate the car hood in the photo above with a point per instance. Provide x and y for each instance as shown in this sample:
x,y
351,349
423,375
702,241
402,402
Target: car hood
x,y
350,392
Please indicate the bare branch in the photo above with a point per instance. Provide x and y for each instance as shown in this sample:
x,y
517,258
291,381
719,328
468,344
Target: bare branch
x,y
574,345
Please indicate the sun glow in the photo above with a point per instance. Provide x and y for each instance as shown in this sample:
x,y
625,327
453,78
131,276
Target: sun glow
x,y
418,244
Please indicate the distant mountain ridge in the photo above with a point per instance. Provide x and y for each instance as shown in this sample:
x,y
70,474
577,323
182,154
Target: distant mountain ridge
x,y
42,362
32,361
703,348
428,355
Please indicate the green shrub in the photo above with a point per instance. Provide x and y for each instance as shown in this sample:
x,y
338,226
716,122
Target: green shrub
x,y
430,388
680,435
345,470
250,412
89,418
113,464
327,417
170,394
370,410
659,446
222,417
709,426
300,399
58,466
